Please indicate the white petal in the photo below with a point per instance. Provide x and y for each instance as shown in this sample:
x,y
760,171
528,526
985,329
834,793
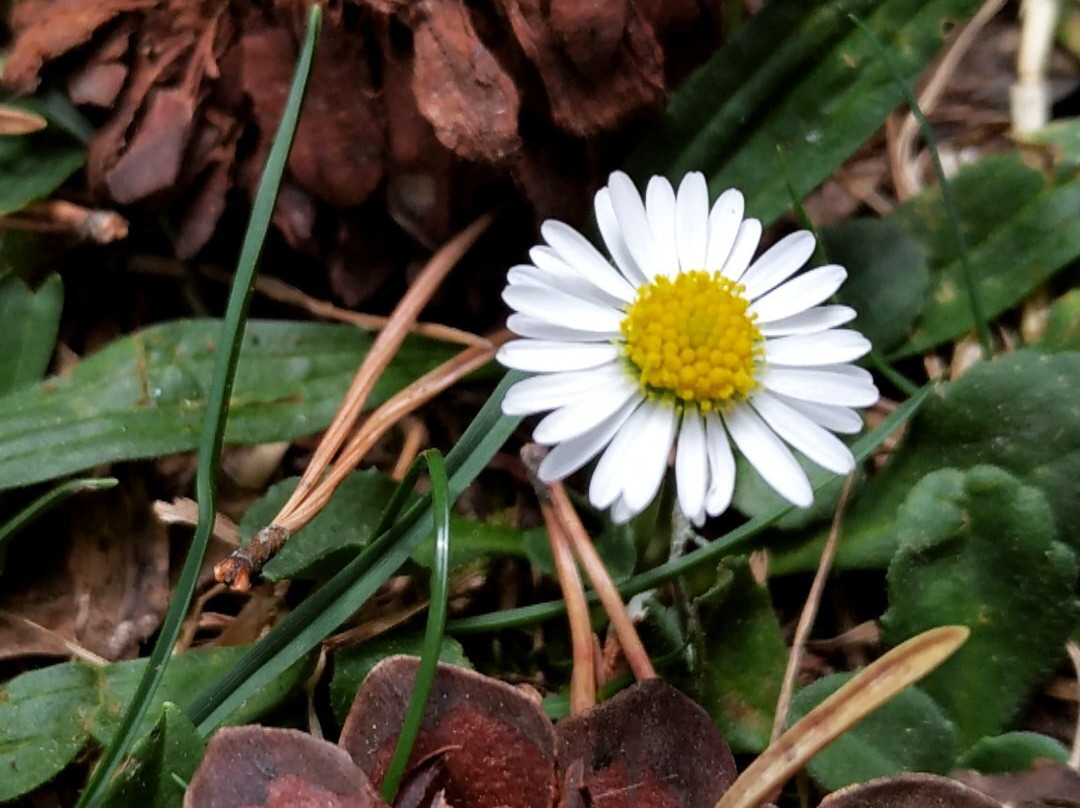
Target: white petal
x,y
621,513
819,318
746,244
799,294
692,221
563,309
525,325
585,414
836,419
613,238
819,445
660,210
724,225
768,454
545,356
721,466
581,255
820,386
780,262
569,456
621,467
691,463
650,458
634,224
824,348
557,274
551,390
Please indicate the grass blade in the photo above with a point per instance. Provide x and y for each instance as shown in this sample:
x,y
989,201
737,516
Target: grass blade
x,y
214,425
49,500
433,633
323,611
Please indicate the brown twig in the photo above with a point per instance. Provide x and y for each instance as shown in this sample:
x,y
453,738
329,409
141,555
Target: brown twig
x,y
582,643
610,599
58,216
416,435
809,614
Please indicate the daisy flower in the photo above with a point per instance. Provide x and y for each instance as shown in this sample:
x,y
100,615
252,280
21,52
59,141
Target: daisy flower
x,y
682,340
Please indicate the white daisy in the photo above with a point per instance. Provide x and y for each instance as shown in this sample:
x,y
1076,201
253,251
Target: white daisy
x,y
682,342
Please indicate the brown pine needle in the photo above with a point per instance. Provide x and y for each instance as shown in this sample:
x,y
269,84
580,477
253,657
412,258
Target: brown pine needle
x,y
380,355
809,614
633,651
864,693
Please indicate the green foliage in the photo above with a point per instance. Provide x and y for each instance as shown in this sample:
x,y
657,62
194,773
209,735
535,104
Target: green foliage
x,y
1019,412
145,395
1018,225
798,76
744,656
1012,752
344,527
978,548
1062,331
888,276
909,733
48,715
31,319
35,165
161,763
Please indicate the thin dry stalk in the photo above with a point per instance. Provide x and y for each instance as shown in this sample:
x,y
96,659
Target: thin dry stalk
x,y
901,137
861,695
582,642
72,647
809,614
59,216
242,564
416,435
380,422
610,599
382,351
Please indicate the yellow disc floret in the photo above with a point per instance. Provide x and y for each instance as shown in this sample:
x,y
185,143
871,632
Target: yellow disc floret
x,y
692,337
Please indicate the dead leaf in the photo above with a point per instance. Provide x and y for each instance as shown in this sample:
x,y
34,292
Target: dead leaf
x,y
106,591
909,791
246,767
647,746
483,742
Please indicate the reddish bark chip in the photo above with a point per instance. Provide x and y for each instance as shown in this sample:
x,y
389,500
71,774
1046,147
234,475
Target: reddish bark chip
x,y
272,768
648,747
482,742
460,87
909,791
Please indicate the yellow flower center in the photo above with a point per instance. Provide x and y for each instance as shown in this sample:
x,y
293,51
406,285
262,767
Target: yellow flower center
x,y
693,338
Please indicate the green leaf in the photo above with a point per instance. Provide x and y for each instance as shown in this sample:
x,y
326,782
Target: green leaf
x,y
33,166
144,395
1018,227
888,276
1062,331
161,764
744,658
44,717
1012,752
1020,412
48,715
352,665
344,526
31,320
909,733
978,548
799,77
